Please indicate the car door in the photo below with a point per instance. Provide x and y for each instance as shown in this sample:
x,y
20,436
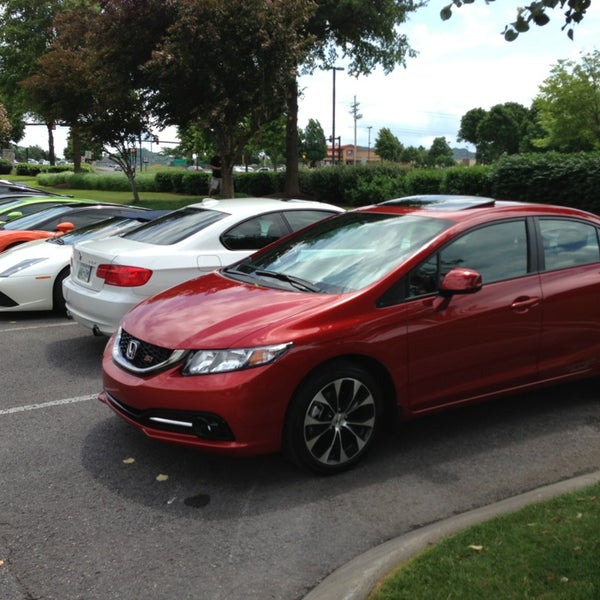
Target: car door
x,y
472,345
571,287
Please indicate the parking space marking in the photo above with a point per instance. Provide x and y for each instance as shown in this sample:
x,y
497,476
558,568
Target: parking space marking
x,y
17,409
22,328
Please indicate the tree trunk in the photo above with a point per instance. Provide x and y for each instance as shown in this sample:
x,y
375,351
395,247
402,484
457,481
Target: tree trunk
x,y
292,184
133,183
76,139
51,153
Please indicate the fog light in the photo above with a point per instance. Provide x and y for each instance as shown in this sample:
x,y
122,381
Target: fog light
x,y
212,427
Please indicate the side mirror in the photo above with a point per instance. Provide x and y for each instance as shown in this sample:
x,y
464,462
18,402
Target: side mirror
x,y
460,281
15,214
64,227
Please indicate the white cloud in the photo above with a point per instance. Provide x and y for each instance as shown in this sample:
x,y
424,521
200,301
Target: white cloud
x,y
462,63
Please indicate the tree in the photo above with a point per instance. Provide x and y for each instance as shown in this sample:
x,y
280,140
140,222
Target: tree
x,y
535,12
5,127
233,60
269,140
504,129
415,156
440,153
26,33
90,48
568,105
388,146
313,147
367,34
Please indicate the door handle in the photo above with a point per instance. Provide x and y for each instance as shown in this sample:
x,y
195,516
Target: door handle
x,y
524,303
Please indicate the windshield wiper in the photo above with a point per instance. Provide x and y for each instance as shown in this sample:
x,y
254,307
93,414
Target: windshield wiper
x,y
298,283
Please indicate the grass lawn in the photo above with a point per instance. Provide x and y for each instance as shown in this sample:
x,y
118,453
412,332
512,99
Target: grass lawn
x,y
155,200
547,551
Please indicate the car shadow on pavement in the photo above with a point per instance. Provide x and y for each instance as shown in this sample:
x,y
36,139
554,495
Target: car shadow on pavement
x,y
198,485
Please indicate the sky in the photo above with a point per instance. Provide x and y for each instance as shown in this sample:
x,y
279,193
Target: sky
x,y
462,63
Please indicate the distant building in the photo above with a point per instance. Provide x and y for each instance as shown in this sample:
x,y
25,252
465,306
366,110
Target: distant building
x,y
345,155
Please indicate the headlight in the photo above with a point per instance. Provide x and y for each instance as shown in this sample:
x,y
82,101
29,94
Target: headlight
x,y
204,362
24,264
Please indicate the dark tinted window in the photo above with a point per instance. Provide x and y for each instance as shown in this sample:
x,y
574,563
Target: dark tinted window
x,y
568,243
33,221
255,233
175,226
497,251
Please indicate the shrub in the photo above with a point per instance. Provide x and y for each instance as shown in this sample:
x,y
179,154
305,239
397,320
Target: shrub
x,y
6,167
425,181
474,181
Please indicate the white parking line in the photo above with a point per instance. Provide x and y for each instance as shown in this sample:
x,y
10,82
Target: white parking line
x,y
17,409
39,326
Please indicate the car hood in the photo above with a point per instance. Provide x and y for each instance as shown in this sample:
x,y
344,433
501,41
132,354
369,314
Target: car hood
x,y
33,249
215,312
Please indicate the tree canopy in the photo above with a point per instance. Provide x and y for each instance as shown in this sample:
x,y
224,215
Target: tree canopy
x,y
568,105
503,129
536,12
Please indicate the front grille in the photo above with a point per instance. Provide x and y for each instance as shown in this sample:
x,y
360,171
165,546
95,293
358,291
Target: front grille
x,y
139,356
144,354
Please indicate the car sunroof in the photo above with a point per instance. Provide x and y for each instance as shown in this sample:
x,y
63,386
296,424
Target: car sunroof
x,y
438,202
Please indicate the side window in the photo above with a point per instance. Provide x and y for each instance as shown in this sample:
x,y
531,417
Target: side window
x,y
497,251
298,219
255,233
423,279
568,243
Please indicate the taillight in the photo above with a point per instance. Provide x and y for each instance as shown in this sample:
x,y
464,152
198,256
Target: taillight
x,y
123,276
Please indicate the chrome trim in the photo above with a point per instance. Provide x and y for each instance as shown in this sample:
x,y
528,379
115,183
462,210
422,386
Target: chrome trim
x,y
171,422
176,356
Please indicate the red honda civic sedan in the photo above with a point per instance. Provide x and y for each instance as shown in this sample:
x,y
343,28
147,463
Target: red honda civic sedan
x,y
377,315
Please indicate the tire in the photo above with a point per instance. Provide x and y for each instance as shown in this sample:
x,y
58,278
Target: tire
x,y
58,300
333,419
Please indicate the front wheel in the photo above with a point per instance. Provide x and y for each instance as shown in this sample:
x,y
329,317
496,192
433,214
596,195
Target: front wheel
x,y
58,300
333,418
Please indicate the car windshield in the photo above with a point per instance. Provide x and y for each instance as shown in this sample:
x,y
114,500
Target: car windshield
x,y
110,227
32,220
175,226
343,254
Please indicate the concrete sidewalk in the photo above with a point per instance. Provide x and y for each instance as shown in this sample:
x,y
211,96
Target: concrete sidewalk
x,y
355,580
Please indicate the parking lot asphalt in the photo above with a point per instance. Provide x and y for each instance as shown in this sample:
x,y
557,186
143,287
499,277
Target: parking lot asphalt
x,y
91,509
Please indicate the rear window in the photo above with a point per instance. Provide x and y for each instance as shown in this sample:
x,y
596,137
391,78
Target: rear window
x,y
176,226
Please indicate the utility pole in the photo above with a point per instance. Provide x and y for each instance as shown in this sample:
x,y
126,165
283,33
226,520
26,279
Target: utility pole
x,y
334,69
356,116
369,127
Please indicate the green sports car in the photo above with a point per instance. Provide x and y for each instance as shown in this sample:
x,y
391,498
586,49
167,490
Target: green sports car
x,y
19,207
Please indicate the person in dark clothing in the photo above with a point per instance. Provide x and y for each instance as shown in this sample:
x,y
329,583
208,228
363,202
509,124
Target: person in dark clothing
x,y
215,180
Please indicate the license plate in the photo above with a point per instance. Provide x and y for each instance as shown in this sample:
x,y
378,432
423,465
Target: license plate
x,y
83,272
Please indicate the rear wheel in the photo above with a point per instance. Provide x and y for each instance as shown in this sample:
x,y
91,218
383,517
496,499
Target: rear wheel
x,y
58,300
333,418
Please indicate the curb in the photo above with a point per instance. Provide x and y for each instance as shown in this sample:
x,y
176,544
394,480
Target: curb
x,y
356,579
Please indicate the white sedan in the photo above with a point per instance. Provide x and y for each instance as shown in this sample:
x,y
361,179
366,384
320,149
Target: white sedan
x,y
32,273
110,277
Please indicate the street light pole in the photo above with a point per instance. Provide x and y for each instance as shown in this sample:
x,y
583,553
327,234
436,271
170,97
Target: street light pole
x,y
369,127
334,69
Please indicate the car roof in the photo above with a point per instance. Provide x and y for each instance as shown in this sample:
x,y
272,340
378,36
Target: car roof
x,y
250,206
12,186
469,208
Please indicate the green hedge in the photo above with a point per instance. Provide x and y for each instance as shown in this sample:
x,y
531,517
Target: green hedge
x,y
568,179
5,167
